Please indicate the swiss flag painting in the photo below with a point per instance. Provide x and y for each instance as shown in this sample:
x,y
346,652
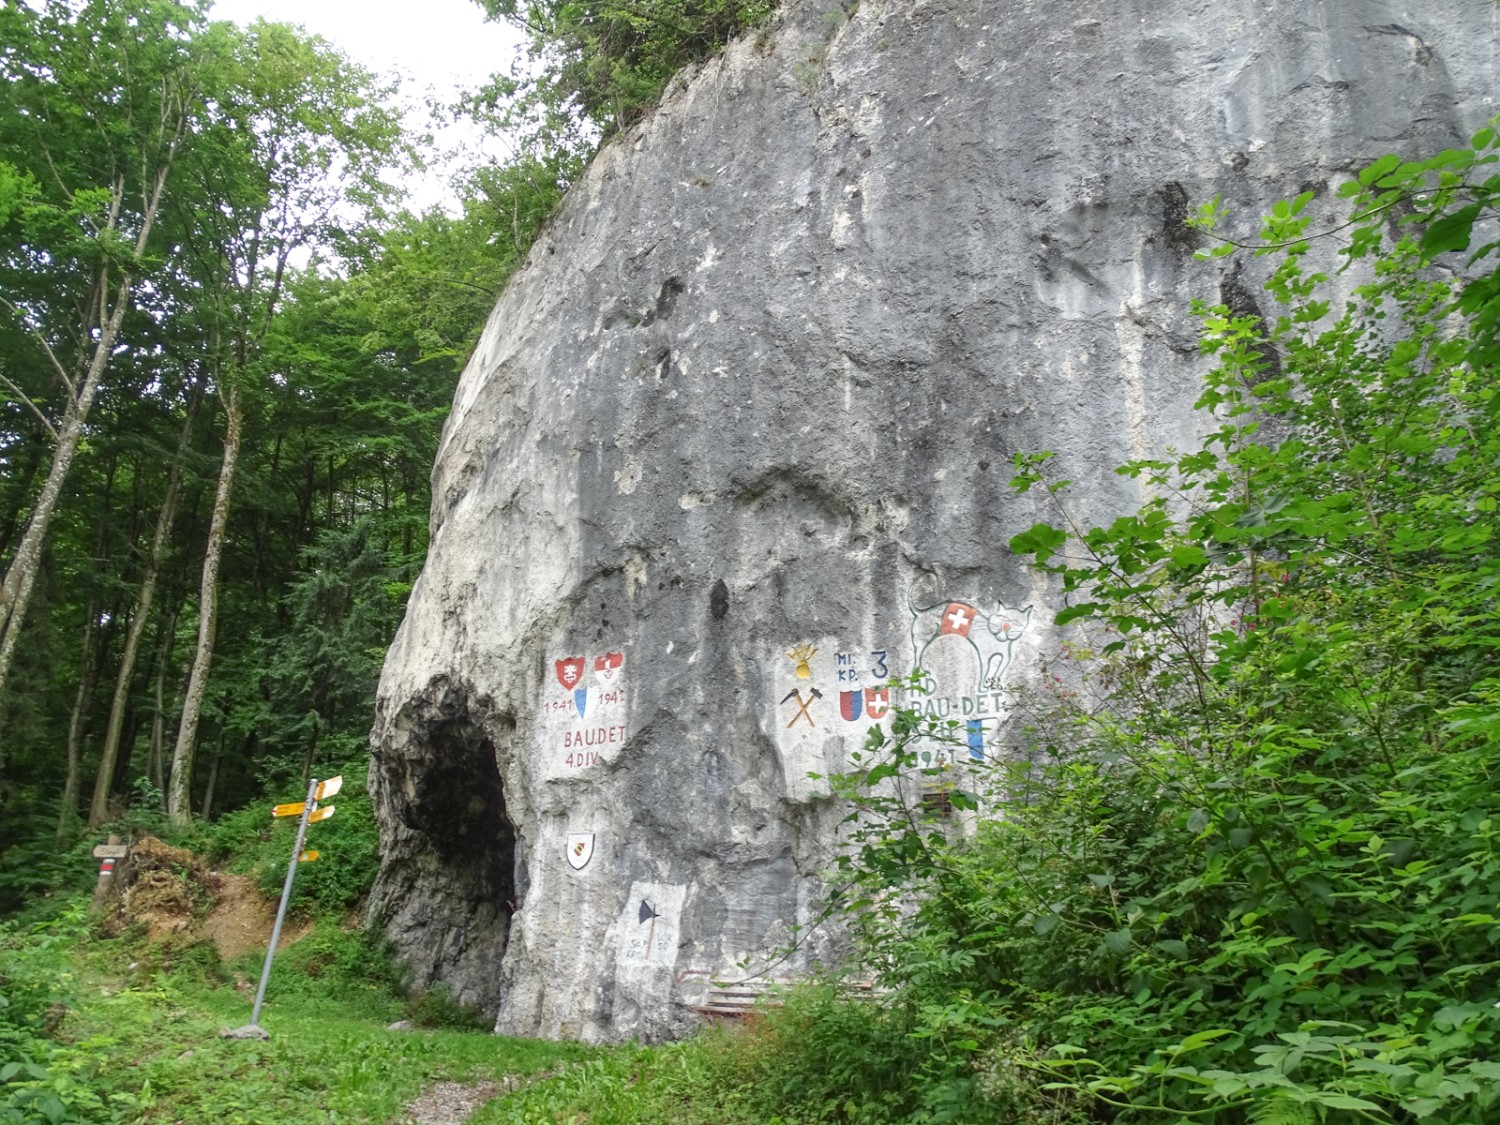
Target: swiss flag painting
x,y
957,619
569,671
606,667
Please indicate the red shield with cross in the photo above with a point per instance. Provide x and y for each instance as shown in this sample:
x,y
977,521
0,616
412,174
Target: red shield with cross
x,y
569,671
957,619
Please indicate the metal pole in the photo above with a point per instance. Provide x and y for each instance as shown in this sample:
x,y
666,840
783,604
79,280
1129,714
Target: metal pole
x,y
286,894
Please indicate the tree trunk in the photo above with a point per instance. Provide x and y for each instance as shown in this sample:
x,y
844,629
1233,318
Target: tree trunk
x,y
99,807
180,791
213,778
74,779
159,715
15,592
20,578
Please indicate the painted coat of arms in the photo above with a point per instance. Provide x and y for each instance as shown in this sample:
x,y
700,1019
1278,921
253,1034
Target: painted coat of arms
x,y
579,849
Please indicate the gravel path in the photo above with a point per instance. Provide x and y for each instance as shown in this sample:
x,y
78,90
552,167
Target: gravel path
x,y
450,1103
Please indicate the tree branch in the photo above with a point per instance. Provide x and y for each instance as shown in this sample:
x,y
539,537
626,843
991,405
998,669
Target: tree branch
x,y
57,366
40,417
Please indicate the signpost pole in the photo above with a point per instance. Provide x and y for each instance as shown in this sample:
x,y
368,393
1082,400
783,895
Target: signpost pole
x,y
286,894
106,873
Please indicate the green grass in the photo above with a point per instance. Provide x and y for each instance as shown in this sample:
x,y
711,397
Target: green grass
x,y
322,1063
121,1030
144,1041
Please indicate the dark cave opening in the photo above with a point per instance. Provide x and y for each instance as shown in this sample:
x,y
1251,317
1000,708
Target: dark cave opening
x,y
459,806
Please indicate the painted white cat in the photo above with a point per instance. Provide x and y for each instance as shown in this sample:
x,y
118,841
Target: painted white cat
x,y
992,636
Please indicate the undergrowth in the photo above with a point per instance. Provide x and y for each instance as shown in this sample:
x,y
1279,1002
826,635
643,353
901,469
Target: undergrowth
x,y
102,1030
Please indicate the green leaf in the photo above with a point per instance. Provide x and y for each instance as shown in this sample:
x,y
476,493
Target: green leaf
x,y
1451,232
1335,1100
1200,1039
1379,168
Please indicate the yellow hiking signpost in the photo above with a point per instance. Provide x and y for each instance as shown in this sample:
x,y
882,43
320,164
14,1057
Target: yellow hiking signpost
x,y
310,813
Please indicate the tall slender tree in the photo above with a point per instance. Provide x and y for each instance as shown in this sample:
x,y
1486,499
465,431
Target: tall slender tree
x,y
312,140
101,96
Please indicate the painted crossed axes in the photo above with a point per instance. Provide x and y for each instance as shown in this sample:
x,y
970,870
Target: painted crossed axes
x,y
802,704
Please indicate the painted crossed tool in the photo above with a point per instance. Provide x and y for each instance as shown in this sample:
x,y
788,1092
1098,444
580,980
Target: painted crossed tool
x,y
802,704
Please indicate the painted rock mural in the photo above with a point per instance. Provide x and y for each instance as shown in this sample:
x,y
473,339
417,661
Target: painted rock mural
x,y
732,455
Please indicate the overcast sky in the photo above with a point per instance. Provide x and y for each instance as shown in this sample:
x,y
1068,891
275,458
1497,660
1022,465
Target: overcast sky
x,y
439,46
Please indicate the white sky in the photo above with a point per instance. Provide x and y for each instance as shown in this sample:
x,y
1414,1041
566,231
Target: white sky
x,y
437,46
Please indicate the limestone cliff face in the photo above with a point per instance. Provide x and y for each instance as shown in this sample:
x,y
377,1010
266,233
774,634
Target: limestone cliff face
x,y
733,450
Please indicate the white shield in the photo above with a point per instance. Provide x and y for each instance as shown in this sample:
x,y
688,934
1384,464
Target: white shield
x,y
579,849
608,666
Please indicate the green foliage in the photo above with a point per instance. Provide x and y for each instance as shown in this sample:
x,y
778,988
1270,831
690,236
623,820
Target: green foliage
x,y
341,957
598,66
38,878
437,1007
347,845
1250,870
41,1077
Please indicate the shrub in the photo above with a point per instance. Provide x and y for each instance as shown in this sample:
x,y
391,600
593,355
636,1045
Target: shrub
x,y
42,1079
348,847
1250,870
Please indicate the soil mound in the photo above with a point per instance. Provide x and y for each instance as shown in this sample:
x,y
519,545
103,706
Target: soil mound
x,y
163,888
171,891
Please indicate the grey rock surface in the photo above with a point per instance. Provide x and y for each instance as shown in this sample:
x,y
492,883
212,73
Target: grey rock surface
x,y
734,449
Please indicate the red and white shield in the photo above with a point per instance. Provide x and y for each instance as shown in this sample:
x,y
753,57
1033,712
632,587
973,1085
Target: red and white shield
x,y
608,666
877,702
569,671
579,849
957,619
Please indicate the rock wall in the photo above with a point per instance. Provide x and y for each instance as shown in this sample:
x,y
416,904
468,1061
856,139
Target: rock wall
x,y
733,449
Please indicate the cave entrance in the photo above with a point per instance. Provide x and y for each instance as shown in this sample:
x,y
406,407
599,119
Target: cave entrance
x,y
460,808
463,855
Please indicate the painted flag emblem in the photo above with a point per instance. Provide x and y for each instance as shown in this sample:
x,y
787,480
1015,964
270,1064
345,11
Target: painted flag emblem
x,y
579,849
851,704
581,700
957,619
608,665
975,731
877,702
569,672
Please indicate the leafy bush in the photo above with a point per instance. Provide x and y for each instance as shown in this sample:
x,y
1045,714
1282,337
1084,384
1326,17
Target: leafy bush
x,y
42,1079
37,877
1252,869
437,1007
357,962
348,847
597,66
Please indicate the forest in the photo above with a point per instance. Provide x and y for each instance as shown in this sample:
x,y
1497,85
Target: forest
x,y
1247,871
227,347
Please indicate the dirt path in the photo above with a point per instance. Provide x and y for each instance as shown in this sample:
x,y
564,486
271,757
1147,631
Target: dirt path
x,y
241,920
451,1103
